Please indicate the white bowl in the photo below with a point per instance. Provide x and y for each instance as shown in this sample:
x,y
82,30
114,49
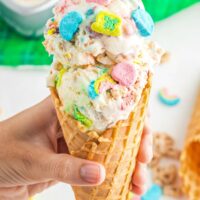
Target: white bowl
x,y
27,19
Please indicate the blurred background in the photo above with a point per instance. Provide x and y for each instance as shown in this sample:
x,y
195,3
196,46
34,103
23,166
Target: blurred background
x,y
24,65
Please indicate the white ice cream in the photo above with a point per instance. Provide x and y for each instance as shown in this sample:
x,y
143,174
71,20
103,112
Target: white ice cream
x,y
109,107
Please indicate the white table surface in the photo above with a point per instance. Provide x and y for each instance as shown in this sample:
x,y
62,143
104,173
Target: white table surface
x,y
180,35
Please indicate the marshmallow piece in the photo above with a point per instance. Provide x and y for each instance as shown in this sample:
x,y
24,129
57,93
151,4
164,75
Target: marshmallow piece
x,y
143,21
69,25
107,23
124,73
154,193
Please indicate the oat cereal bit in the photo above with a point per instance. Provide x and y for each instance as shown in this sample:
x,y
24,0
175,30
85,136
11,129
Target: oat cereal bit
x,y
166,175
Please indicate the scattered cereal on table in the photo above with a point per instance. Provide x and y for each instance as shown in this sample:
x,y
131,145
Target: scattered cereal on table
x,y
165,175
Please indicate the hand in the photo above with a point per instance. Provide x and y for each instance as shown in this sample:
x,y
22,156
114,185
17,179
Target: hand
x,y
33,155
144,156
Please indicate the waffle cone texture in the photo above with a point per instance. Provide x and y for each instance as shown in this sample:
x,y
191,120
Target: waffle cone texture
x,y
116,148
190,158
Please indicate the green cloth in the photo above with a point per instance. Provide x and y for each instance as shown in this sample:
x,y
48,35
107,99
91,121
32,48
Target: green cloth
x,y
17,50
161,9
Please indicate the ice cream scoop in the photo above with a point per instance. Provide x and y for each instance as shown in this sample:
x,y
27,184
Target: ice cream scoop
x,y
102,58
94,97
88,30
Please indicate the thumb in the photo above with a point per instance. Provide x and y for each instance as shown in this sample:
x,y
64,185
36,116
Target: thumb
x,y
74,171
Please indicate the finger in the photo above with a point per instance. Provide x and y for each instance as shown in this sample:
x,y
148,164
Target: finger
x,y
145,153
139,177
38,188
71,170
138,190
18,193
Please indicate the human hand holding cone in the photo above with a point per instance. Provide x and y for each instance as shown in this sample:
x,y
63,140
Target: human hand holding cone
x,y
116,148
100,83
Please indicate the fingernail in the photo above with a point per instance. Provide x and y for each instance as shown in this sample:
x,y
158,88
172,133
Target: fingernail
x,y
91,173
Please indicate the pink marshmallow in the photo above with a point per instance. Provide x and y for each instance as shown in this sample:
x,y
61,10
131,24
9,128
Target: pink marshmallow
x,y
124,73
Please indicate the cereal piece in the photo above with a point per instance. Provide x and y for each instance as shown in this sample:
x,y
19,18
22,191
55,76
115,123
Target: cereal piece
x,y
155,160
162,142
143,21
105,60
69,25
107,23
154,193
68,55
51,31
172,190
165,57
167,99
124,73
111,56
166,175
58,66
173,153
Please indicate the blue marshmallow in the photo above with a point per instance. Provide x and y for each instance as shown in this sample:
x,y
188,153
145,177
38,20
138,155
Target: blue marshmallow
x,y
91,91
69,25
143,21
154,193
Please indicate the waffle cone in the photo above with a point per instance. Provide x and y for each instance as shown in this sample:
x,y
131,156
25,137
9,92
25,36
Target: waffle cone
x,y
190,158
116,148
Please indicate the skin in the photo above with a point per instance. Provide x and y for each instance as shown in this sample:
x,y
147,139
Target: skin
x,y
33,156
